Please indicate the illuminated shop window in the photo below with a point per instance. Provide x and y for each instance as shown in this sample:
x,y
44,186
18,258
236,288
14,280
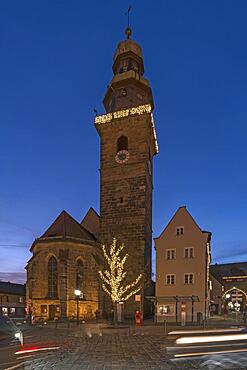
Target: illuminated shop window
x,y
5,311
43,309
166,310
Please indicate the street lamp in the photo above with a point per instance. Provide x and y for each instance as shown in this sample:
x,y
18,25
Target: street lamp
x,y
77,295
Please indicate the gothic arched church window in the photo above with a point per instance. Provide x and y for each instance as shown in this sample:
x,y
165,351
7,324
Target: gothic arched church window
x,y
52,277
79,274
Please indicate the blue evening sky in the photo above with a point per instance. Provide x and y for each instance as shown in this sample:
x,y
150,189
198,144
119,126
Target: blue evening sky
x,y
55,64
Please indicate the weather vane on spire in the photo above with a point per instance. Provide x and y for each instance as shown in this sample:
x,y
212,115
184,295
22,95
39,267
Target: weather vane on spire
x,y
128,30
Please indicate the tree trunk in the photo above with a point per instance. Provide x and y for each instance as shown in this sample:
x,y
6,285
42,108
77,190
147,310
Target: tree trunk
x,y
115,312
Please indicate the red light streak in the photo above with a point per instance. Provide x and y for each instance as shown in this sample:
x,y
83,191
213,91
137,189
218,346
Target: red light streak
x,y
34,349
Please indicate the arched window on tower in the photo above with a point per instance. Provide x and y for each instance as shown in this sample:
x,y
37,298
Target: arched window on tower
x,y
52,277
122,143
79,274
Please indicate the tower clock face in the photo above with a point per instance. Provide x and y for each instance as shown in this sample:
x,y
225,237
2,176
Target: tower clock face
x,y
122,156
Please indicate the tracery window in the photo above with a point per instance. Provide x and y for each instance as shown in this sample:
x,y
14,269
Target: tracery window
x,y
52,277
79,274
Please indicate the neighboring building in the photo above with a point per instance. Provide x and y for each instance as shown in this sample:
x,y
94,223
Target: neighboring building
x,y
182,270
12,299
216,295
69,253
233,277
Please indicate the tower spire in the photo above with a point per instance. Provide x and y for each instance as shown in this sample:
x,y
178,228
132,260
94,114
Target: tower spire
x,y
128,87
128,30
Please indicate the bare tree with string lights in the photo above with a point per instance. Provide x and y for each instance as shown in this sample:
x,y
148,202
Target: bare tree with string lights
x,y
113,279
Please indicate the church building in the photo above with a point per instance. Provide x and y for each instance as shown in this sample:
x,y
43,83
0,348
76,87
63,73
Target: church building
x,y
68,255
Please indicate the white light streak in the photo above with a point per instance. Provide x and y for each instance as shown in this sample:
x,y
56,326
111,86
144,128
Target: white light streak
x,y
194,354
179,332
213,338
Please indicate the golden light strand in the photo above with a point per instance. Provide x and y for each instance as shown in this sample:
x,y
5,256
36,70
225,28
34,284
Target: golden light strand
x,y
112,279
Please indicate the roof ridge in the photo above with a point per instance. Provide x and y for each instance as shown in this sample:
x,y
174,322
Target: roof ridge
x,y
228,263
63,219
174,215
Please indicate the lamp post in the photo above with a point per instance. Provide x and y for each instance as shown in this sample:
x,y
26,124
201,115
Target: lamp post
x,y
77,295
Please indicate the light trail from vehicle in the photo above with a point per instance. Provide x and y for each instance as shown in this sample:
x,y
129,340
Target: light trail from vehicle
x,y
195,354
174,349
35,349
179,332
207,339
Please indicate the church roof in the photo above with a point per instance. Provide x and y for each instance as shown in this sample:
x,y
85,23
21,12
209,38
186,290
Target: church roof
x,y
66,226
91,222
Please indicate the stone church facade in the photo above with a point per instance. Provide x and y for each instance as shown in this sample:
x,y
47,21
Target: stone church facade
x,y
68,255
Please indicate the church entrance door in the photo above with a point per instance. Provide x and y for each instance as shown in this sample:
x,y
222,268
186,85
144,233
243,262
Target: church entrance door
x,y
52,311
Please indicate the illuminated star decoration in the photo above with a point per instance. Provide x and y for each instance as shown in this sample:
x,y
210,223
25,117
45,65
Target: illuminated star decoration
x,y
113,279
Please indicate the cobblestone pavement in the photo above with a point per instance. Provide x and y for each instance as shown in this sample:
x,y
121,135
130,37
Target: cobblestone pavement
x,y
112,351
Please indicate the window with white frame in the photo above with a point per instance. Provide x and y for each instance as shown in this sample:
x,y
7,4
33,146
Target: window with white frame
x,y
179,230
171,254
188,278
170,279
189,252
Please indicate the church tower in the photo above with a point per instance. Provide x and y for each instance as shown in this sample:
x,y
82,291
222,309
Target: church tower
x,y
127,146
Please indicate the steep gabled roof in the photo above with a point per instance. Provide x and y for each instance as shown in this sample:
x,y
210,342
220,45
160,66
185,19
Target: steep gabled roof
x,y
66,226
179,210
91,222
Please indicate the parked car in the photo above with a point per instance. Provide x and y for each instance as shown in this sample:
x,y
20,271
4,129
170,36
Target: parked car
x,y
39,321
